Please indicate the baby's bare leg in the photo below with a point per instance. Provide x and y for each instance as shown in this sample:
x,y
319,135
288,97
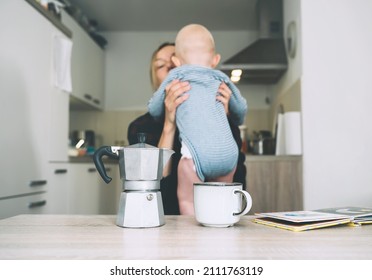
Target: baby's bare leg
x,y
185,190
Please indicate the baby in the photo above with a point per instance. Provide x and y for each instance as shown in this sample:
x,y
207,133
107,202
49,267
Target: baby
x,y
209,151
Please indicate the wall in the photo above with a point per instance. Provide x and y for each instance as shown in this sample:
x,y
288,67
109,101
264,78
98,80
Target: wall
x,y
288,91
329,80
292,12
336,102
128,56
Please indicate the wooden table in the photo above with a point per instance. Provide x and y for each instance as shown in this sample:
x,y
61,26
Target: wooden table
x,y
72,237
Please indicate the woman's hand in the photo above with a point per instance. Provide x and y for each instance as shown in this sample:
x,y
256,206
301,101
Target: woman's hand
x,y
224,96
174,96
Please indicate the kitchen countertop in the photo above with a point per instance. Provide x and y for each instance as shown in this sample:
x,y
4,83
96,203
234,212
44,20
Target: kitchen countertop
x,y
249,157
75,237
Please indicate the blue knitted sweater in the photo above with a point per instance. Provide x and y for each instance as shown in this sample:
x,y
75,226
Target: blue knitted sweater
x,y
202,120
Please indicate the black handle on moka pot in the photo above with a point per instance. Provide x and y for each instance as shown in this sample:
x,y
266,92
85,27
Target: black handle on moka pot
x,y
97,158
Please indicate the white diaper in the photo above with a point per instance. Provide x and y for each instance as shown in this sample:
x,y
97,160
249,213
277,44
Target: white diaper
x,y
185,153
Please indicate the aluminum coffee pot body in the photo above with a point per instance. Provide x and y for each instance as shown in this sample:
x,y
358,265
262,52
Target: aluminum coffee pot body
x,y
143,162
139,162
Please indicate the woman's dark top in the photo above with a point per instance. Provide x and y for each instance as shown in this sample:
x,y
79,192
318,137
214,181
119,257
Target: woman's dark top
x,y
168,185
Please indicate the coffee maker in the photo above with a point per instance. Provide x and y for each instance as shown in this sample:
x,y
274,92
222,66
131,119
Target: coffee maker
x,y
141,168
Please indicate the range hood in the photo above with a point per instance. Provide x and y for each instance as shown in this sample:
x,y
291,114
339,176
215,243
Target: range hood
x,y
265,60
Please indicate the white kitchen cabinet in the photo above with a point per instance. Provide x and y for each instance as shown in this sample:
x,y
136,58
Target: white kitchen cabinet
x,y
34,113
25,101
87,65
83,194
58,188
89,194
30,204
58,126
110,193
77,188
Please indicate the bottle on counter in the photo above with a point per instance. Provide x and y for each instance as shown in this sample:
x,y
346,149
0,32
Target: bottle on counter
x,y
260,146
243,136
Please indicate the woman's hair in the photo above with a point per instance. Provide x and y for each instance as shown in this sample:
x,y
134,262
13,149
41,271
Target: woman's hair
x,y
153,79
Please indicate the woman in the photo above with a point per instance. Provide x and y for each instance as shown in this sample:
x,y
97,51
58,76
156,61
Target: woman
x,y
164,133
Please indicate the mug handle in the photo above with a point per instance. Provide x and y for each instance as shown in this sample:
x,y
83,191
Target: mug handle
x,y
248,202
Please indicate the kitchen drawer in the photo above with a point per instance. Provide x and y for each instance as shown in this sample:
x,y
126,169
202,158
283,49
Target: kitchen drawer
x,y
20,184
29,204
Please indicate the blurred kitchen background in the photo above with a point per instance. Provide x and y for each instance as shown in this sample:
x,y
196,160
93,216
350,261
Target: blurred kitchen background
x,y
311,58
132,34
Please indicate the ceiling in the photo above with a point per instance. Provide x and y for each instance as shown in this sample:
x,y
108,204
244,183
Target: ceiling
x,y
169,15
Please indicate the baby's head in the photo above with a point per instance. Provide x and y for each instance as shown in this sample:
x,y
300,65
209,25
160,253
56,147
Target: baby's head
x,y
195,45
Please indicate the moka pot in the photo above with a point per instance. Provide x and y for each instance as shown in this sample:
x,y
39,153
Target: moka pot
x,y
141,169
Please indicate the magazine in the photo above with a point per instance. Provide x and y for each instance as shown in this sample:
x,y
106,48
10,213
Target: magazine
x,y
306,220
359,215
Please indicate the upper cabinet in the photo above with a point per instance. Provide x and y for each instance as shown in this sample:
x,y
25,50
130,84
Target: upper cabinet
x,y
87,66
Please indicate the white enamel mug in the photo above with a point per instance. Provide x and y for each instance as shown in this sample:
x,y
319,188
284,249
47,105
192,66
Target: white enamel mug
x,y
220,204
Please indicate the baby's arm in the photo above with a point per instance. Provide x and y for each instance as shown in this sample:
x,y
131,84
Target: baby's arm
x,y
156,103
237,105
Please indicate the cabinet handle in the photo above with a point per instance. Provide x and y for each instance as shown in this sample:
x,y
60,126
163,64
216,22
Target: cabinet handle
x,y
92,170
87,96
60,171
38,183
37,204
96,101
